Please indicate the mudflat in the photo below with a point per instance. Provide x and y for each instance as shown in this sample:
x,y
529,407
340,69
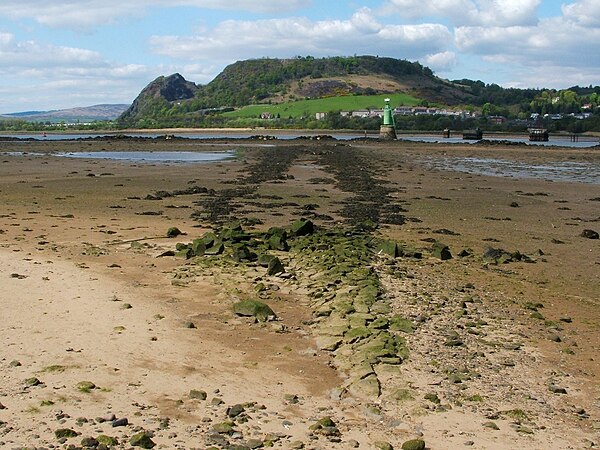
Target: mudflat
x,y
425,304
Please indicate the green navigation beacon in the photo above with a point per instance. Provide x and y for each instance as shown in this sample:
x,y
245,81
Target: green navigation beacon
x,y
387,131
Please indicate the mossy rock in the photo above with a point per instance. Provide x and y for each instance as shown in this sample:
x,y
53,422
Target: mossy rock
x,y
356,334
65,433
142,439
243,253
383,445
368,387
441,251
196,394
216,248
265,259
302,227
85,386
278,242
198,247
399,323
33,381
254,308
185,253
402,395
173,232
390,248
414,444
275,266
89,442
224,427
108,441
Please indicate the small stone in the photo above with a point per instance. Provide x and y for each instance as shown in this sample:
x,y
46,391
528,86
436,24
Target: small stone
x,y
89,442
383,445
85,386
235,410
33,381
353,444
173,232
296,445
275,266
441,251
122,422
198,395
107,441
414,444
254,443
216,401
63,433
557,389
142,439
590,234
491,426
224,427
2,406
433,398
189,325
15,363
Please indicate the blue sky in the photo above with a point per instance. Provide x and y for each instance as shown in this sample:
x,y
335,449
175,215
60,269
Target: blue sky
x,y
57,54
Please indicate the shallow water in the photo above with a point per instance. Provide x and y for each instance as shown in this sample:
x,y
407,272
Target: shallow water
x,y
141,157
570,171
282,136
153,157
553,142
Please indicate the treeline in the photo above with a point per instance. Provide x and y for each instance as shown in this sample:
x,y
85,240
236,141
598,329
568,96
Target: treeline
x,y
248,82
521,103
20,125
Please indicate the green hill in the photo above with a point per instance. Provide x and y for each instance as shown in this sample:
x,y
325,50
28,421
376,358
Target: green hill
x,y
303,108
356,82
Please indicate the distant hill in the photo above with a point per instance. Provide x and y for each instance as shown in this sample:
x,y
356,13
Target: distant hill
x,y
82,114
295,88
271,81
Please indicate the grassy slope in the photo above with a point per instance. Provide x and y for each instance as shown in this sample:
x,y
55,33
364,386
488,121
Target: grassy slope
x,y
310,107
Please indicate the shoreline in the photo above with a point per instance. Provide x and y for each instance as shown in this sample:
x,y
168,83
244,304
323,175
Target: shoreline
x,y
91,301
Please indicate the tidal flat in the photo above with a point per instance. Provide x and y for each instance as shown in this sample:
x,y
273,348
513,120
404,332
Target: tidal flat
x,y
413,301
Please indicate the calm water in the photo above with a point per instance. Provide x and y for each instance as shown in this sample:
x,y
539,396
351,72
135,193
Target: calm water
x,y
142,157
553,142
562,142
582,172
283,136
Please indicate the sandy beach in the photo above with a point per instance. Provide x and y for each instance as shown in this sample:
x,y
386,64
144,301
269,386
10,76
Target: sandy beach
x,y
104,340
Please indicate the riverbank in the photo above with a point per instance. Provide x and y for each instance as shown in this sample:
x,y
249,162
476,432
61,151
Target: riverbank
x,y
491,347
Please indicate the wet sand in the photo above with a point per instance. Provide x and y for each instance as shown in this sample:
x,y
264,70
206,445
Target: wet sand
x,y
86,299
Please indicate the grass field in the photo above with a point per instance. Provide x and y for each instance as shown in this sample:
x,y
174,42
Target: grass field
x,y
305,108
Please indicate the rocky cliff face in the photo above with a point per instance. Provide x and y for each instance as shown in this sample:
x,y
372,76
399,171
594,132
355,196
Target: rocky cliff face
x,y
159,93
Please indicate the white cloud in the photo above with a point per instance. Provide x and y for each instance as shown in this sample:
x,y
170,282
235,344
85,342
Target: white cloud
x,y
440,62
29,54
584,12
43,76
469,12
286,37
555,42
78,15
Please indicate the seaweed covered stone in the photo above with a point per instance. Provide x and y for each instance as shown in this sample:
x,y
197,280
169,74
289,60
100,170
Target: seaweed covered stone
x,y
253,308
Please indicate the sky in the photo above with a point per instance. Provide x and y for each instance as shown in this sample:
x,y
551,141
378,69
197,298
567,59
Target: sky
x,y
57,54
